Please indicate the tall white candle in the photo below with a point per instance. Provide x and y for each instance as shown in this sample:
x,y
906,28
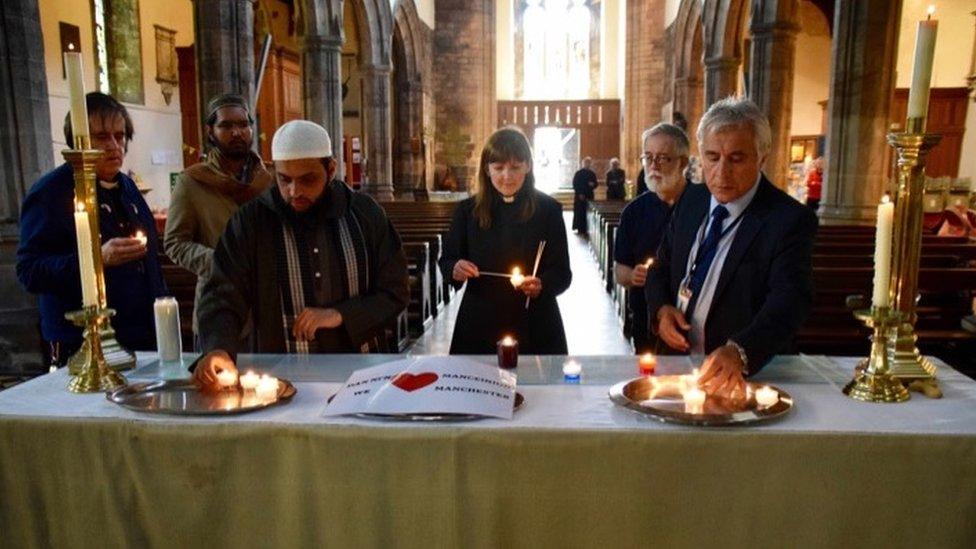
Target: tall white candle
x,y
76,90
918,96
169,343
86,263
882,252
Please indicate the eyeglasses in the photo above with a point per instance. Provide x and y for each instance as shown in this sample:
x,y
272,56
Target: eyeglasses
x,y
662,159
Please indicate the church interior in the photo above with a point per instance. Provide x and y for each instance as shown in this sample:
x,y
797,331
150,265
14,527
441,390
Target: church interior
x,y
412,94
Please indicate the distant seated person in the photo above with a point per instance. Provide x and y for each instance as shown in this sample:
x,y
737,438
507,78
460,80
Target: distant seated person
x,y
733,277
644,220
315,267
957,221
47,258
616,181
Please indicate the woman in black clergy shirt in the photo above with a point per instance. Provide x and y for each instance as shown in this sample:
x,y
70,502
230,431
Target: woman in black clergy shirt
x,y
500,228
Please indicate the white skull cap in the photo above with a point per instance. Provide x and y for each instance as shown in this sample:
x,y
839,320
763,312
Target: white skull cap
x,y
300,139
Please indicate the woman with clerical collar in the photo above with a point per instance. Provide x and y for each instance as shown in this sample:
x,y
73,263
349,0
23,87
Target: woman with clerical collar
x,y
498,229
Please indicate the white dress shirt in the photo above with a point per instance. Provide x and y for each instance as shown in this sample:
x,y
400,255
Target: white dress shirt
x,y
703,304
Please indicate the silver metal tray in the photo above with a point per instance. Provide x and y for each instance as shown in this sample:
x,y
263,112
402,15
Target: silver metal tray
x,y
660,398
445,417
182,397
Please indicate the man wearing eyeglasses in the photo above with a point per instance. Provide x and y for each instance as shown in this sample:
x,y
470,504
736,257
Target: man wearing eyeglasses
x,y
733,275
643,221
208,193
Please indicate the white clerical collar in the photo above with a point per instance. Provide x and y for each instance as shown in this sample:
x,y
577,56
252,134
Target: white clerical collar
x,y
739,205
109,185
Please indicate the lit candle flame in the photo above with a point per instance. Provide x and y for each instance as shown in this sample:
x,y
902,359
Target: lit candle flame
x,y
79,207
649,262
886,199
930,12
508,341
141,237
71,46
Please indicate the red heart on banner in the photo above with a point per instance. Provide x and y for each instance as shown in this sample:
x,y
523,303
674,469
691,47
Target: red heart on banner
x,y
410,382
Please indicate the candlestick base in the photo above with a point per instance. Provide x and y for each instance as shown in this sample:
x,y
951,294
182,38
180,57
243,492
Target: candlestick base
x,y
873,381
904,358
93,375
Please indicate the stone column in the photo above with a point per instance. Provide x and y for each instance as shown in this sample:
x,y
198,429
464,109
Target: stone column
x,y
26,153
379,170
688,98
771,67
721,78
224,31
861,85
322,64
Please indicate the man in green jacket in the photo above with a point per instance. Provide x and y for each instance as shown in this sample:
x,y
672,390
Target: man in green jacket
x,y
209,192
316,267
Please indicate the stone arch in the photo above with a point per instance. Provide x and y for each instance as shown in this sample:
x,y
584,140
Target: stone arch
x,y
723,31
689,70
409,81
374,20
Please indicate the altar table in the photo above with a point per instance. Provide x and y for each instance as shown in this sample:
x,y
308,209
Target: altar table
x,y
570,470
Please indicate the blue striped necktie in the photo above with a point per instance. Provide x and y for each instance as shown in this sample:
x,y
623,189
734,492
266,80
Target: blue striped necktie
x,y
706,253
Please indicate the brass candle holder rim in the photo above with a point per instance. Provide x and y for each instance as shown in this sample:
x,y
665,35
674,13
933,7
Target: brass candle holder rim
x,y
85,313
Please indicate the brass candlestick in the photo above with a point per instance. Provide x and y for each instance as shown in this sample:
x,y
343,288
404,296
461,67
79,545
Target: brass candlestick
x,y
912,147
873,381
94,375
99,336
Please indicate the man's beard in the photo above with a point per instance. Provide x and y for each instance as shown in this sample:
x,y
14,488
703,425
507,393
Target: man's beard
x,y
661,182
234,150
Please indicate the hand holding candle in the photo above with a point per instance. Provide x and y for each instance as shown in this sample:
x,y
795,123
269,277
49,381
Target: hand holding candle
x,y
141,237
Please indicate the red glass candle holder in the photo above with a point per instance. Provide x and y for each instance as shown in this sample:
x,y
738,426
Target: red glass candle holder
x,y
508,351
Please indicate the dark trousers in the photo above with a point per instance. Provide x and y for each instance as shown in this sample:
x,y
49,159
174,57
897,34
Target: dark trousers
x,y
579,216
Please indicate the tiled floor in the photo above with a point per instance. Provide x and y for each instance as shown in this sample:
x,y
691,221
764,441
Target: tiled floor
x,y
591,325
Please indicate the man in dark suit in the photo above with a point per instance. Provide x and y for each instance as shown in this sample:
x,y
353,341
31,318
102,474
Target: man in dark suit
x,y
733,274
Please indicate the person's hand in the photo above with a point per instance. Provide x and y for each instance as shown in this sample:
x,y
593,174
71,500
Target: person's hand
x,y
722,373
312,319
205,374
532,286
464,270
638,276
671,322
117,251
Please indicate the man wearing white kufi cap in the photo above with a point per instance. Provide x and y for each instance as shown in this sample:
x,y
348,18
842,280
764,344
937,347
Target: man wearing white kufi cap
x,y
317,267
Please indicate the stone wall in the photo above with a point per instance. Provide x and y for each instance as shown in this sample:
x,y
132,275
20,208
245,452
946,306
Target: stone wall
x,y
645,66
464,87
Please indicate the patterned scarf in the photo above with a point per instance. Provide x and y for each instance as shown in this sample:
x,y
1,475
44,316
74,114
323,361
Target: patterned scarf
x,y
295,275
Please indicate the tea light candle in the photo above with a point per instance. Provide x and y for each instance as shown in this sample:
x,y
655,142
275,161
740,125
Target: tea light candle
x,y
141,237
647,363
694,397
508,353
766,396
572,371
517,278
226,379
267,388
249,381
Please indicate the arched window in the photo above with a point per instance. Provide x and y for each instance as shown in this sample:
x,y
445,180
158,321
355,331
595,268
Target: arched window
x,y
558,39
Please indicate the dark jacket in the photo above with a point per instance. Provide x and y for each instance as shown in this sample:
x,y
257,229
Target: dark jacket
x,y
765,290
47,260
491,308
244,281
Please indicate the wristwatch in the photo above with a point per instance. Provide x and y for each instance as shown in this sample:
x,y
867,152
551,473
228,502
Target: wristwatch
x,y
742,355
